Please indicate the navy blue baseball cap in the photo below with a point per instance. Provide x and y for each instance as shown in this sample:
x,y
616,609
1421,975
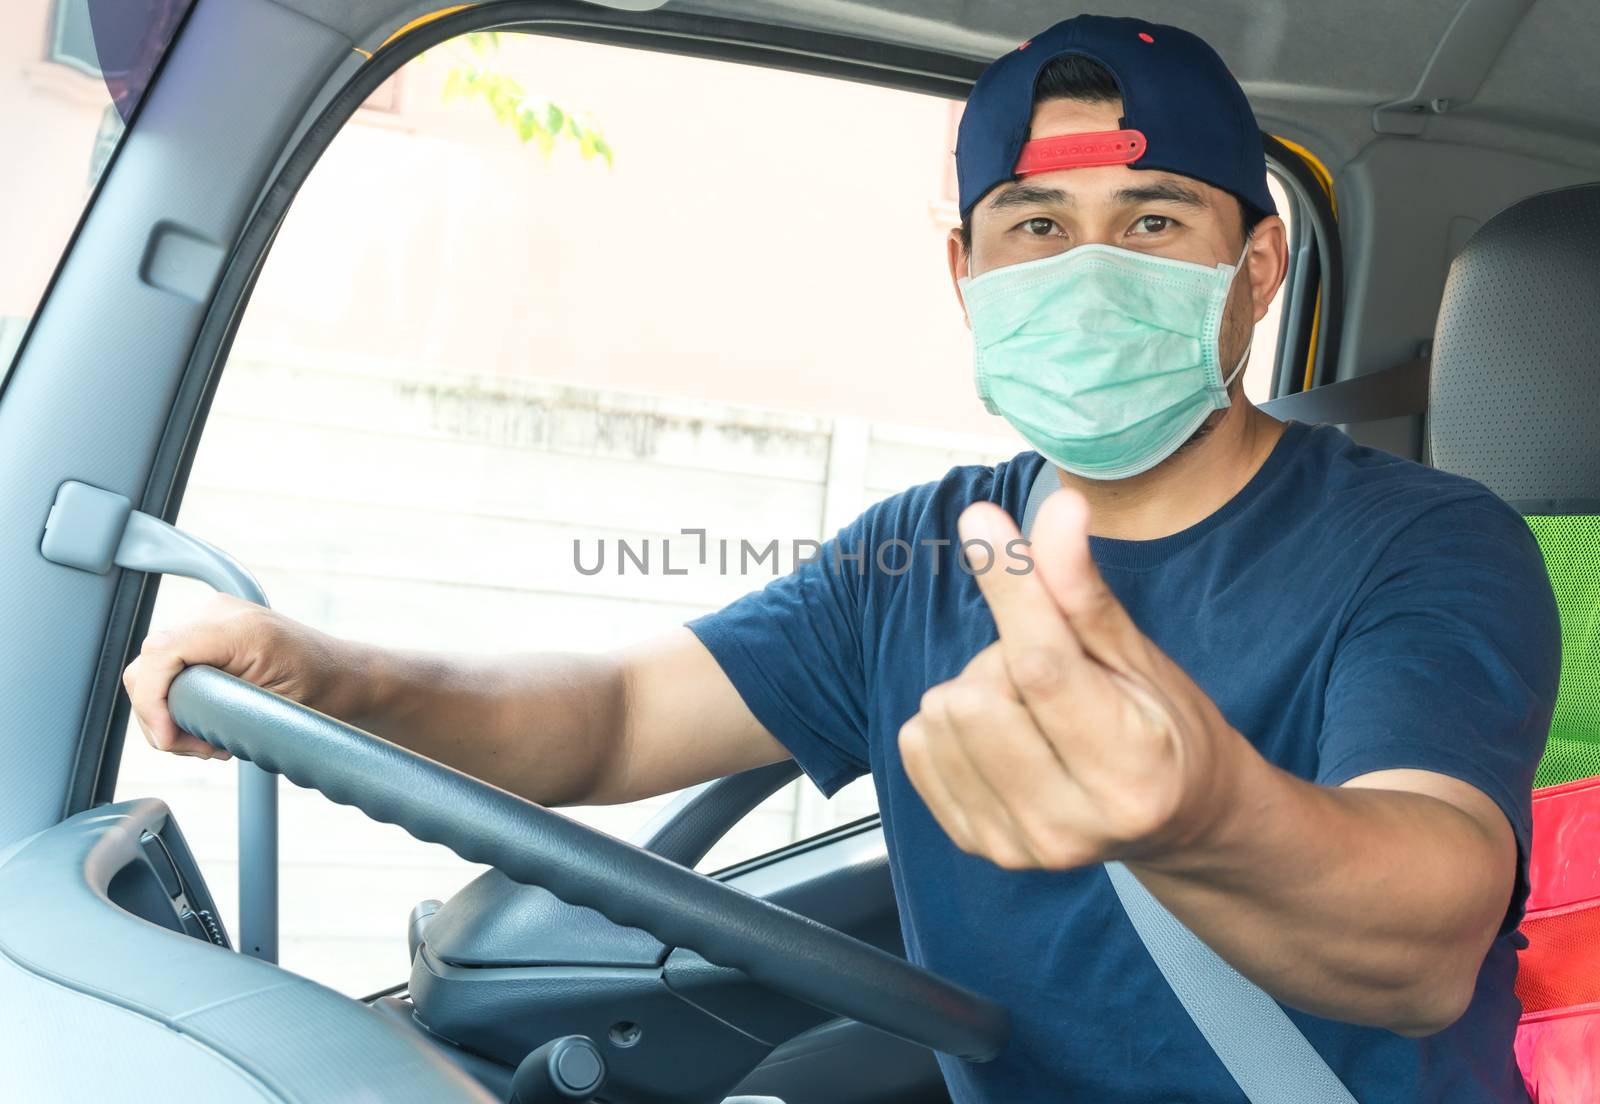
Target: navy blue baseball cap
x,y
1182,112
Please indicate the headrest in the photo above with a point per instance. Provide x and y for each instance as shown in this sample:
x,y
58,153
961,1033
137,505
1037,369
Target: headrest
x,y
1514,400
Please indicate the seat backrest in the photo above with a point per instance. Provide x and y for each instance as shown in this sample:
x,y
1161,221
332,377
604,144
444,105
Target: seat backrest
x,y
1515,403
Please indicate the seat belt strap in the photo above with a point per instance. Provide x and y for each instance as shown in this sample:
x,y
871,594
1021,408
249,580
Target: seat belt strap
x,y
1273,1062
1250,1033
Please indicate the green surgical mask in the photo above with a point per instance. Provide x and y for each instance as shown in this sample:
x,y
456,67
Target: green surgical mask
x,y
1105,360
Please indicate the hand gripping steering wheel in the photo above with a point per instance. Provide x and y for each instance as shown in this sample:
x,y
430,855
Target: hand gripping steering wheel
x,y
789,953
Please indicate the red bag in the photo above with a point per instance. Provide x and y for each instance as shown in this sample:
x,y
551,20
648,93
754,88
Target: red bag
x,y
1558,973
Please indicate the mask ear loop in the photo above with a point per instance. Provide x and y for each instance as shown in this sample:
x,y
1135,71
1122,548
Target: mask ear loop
x,y
1244,358
1237,368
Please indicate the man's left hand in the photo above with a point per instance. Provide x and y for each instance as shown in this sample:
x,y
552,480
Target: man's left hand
x,y
1073,739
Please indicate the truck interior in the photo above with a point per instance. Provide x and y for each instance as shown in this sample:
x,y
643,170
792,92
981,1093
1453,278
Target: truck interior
x,y
1442,162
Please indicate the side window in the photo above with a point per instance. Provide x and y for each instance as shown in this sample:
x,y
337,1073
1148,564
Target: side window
x,y
1261,370
1307,318
524,310
72,38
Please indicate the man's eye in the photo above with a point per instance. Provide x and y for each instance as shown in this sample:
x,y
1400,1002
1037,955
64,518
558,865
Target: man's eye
x,y
1152,224
1039,227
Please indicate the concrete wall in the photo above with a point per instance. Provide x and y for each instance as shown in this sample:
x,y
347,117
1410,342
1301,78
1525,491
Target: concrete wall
x,y
438,512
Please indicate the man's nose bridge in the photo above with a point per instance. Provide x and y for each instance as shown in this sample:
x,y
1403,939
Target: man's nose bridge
x,y
1105,237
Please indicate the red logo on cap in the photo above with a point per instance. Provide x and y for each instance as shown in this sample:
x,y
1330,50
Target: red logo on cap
x,y
1146,36
1025,45
1080,151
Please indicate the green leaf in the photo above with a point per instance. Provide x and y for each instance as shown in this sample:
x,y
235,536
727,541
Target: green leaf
x,y
527,126
504,96
538,120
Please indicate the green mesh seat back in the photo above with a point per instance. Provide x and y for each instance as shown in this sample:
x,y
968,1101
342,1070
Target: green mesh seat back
x,y
1571,546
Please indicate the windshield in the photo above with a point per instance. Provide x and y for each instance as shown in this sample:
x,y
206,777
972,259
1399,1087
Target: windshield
x,y
72,74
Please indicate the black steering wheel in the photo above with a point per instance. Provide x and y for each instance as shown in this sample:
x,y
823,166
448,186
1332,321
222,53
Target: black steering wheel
x,y
789,953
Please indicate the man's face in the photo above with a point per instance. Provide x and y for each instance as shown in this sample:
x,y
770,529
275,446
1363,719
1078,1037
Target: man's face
x,y
1160,213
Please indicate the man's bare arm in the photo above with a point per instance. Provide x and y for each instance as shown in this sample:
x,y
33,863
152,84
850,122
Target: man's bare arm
x,y
559,729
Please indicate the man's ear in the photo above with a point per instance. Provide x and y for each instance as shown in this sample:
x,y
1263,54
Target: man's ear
x,y
959,261
1267,262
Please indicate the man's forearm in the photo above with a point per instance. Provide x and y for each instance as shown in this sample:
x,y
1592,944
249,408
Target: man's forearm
x,y
546,726
1366,905
559,729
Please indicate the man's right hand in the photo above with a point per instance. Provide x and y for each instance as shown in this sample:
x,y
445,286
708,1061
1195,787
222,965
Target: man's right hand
x,y
245,640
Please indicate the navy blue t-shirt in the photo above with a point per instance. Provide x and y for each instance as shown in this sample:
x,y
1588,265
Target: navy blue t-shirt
x,y
1347,610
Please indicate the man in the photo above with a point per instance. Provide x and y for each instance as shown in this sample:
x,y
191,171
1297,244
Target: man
x,y
1298,687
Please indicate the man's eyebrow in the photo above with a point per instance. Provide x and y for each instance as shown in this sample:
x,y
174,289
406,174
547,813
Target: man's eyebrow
x,y
1169,191
1024,195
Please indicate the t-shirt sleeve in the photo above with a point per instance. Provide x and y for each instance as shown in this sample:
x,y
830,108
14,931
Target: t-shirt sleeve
x,y
1449,662
793,650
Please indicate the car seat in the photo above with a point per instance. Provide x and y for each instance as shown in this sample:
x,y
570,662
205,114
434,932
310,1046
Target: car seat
x,y
1515,403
